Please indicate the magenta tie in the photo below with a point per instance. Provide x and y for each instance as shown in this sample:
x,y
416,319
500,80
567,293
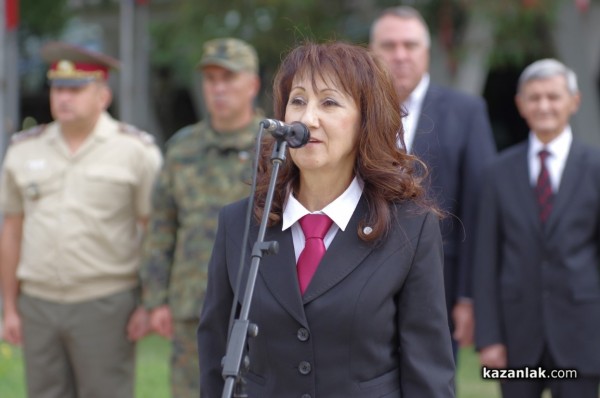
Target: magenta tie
x,y
314,226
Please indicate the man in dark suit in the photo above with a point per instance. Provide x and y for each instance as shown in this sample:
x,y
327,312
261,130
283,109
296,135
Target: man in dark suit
x,y
451,133
537,290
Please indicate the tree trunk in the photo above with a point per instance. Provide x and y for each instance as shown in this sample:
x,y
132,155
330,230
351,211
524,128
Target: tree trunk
x,y
473,68
576,36
126,51
144,115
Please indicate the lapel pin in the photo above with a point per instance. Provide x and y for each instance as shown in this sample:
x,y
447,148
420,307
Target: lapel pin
x,y
367,230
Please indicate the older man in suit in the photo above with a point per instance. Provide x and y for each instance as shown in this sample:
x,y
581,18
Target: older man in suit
x,y
451,133
537,290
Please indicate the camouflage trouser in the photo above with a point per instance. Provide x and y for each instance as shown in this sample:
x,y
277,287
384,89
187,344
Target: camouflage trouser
x,y
185,373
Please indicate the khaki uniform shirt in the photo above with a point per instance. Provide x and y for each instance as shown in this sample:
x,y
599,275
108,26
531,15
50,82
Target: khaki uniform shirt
x,y
81,238
203,171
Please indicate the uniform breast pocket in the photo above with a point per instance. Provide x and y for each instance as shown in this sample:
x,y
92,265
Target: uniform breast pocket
x,y
108,187
40,186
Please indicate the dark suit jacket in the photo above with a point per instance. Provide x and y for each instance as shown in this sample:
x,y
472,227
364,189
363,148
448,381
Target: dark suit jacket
x,y
454,138
534,285
372,322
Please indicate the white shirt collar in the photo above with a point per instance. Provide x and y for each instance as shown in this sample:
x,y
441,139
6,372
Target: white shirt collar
x,y
559,151
413,106
559,147
340,210
416,97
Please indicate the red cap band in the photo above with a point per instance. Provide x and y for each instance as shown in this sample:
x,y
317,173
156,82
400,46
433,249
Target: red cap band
x,y
77,70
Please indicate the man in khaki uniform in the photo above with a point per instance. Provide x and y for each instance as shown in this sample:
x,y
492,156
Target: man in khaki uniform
x,y
207,165
75,195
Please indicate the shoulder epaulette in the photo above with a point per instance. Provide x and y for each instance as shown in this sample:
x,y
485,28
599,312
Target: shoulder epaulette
x,y
25,135
133,131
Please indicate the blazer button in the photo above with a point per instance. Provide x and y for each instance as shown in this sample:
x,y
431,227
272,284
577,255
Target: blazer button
x,y
305,396
304,367
303,334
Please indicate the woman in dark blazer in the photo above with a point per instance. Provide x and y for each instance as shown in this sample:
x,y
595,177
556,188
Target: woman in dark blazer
x,y
371,321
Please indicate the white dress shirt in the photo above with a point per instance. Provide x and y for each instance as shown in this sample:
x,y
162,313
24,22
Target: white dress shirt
x,y
555,162
340,211
413,105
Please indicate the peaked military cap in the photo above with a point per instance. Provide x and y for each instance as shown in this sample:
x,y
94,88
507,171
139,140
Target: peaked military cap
x,y
73,66
229,53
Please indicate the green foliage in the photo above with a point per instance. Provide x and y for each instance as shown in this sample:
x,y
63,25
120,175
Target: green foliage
x,y
272,26
41,18
521,27
522,30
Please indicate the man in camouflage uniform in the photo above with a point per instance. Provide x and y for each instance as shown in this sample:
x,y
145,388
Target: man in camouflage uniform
x,y
207,165
75,196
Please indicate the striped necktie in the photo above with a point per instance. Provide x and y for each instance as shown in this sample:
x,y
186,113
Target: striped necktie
x,y
543,188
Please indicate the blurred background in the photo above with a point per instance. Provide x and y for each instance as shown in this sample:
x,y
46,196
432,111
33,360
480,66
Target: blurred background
x,y
479,46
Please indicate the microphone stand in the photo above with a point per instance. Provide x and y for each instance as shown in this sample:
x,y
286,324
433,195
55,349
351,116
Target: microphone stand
x,y
234,362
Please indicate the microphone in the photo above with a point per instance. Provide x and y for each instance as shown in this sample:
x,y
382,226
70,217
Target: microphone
x,y
296,134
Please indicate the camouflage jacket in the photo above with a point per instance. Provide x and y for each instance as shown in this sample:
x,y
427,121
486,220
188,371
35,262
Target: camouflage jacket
x,y
203,171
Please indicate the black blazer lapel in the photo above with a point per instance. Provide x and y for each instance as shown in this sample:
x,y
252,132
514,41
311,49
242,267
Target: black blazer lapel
x,y
345,253
525,193
568,184
425,125
279,271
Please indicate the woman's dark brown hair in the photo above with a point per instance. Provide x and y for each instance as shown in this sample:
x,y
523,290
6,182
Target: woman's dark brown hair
x,y
390,175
